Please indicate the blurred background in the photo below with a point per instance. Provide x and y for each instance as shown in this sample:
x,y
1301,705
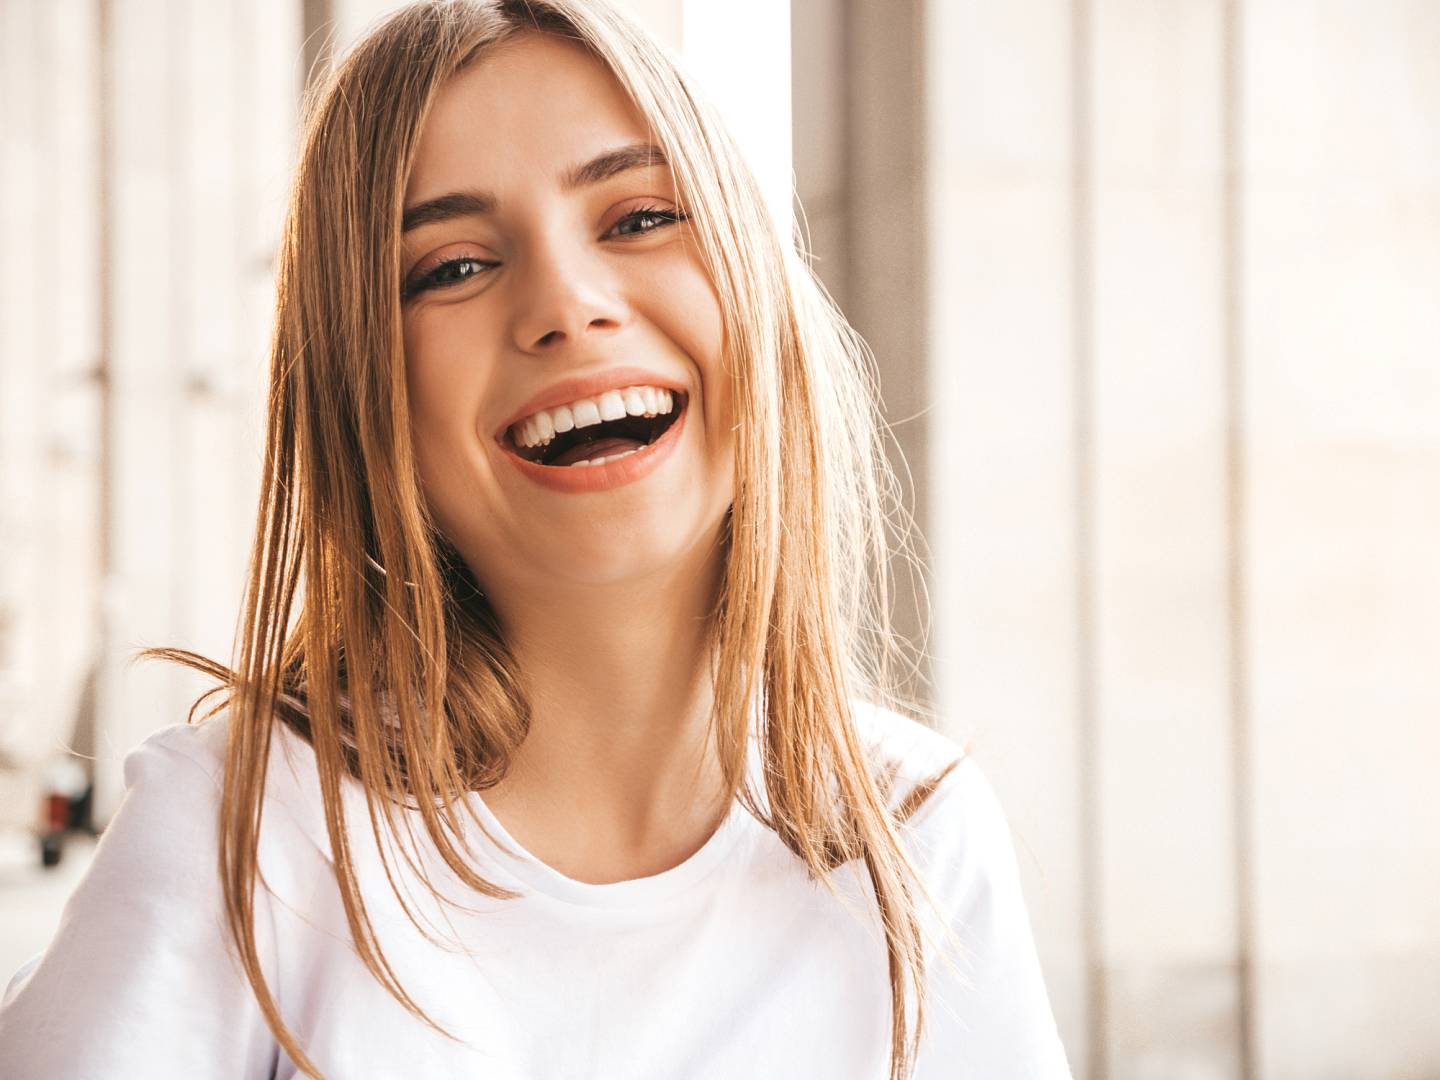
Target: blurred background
x,y
1154,286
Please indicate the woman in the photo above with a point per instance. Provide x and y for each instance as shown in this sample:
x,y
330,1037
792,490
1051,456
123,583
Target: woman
x,y
562,769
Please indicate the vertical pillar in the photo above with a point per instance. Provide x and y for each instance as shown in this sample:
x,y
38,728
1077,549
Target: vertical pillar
x,y
69,444
1003,381
1340,324
47,396
1159,502
200,144
22,369
861,148
143,306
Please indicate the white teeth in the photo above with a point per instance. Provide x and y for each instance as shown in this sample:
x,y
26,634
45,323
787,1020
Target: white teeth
x,y
540,428
586,413
603,460
612,405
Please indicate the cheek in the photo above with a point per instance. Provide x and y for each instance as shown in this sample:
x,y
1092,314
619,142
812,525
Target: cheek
x,y
443,376
699,325
684,305
707,327
445,381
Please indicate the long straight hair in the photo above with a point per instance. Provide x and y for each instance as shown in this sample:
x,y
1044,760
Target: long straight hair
x,y
395,667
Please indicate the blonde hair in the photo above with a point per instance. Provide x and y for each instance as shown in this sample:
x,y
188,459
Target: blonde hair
x,y
401,677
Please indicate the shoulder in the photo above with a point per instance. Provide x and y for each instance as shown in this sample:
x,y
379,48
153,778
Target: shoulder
x,y
180,759
178,774
167,817
152,877
991,1010
143,939
894,738
913,763
941,799
961,843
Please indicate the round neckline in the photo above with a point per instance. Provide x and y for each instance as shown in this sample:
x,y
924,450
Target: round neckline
x,y
522,864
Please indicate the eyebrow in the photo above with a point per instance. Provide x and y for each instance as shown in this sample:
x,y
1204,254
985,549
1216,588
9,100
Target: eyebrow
x,y
598,169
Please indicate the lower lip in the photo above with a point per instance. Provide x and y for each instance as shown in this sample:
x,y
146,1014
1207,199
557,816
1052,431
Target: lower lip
x,y
581,479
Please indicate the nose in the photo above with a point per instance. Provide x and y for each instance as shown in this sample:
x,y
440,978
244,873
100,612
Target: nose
x,y
565,294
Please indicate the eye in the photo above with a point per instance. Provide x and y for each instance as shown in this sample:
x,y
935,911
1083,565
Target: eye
x,y
444,274
656,216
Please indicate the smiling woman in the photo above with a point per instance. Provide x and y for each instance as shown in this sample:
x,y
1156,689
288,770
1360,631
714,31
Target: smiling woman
x,y
581,755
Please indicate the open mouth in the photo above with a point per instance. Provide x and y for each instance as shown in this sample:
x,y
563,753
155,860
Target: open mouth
x,y
595,430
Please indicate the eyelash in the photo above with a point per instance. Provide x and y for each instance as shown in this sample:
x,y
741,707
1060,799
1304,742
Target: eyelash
x,y
431,279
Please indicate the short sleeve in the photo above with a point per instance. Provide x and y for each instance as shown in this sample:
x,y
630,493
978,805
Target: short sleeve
x,y
138,980
989,1014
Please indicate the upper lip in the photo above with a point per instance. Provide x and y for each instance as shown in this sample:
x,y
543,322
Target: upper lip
x,y
591,385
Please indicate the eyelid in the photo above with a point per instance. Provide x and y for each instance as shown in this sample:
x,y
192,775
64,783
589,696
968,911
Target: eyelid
x,y
448,253
653,203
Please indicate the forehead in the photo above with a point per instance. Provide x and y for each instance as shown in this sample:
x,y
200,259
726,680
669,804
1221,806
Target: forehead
x,y
518,116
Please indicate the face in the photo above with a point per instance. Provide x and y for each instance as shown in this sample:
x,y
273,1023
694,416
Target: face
x,y
570,408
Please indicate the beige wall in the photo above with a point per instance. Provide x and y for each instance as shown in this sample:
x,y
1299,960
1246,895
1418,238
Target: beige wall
x,y
1181,330
1342,344
1011,663
200,112
49,397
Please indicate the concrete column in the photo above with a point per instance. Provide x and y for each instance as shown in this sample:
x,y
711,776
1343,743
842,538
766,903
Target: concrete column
x,y
1155,229
1013,644
202,105
48,449
1341,330
143,287
69,444
22,377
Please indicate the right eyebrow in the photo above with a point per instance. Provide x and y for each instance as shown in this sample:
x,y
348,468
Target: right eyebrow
x,y
455,204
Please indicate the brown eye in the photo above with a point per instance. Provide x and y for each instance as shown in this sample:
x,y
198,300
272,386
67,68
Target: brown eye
x,y
449,272
647,219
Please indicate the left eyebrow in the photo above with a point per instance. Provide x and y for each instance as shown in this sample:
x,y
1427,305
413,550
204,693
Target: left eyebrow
x,y
612,163
598,169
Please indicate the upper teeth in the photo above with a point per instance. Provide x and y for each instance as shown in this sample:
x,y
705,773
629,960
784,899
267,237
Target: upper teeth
x,y
539,428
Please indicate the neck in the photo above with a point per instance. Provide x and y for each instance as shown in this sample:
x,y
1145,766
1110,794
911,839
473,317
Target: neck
x,y
617,776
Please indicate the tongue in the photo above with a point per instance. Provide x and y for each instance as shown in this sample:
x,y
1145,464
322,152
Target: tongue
x,y
599,448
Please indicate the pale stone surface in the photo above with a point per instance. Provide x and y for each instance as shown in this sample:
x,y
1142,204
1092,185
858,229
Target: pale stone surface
x,y
1338,1015
1341,335
48,401
200,147
1173,1021
1003,488
820,129
1162,675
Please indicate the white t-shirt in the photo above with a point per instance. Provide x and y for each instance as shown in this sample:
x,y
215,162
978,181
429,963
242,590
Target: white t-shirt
x,y
729,966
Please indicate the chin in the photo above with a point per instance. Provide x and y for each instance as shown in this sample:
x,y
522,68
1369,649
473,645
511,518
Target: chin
x,y
634,544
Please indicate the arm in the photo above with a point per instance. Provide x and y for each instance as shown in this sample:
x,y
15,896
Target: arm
x,y
138,980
